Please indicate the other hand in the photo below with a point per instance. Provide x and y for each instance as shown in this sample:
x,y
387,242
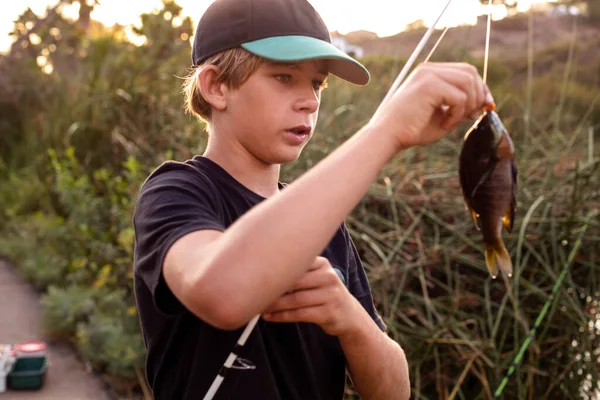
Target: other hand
x,y
319,297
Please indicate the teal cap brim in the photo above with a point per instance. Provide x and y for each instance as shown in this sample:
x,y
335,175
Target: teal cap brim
x,y
302,48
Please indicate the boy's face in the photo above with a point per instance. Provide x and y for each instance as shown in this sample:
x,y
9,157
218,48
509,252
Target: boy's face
x,y
274,113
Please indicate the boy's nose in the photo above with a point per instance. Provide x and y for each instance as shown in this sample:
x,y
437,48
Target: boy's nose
x,y
307,102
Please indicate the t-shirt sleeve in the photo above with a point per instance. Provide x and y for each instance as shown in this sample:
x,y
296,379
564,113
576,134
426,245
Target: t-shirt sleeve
x,y
174,201
358,283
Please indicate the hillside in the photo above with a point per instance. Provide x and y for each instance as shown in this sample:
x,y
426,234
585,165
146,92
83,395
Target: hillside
x,y
508,40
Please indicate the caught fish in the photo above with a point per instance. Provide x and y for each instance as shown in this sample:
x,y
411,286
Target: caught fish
x,y
488,180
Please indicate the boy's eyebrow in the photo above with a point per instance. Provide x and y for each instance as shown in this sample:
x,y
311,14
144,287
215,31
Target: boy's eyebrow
x,y
295,66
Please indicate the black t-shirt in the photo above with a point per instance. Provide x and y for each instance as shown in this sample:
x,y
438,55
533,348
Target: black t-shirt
x,y
293,360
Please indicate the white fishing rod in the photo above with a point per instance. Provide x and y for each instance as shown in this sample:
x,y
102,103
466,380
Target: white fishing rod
x,y
232,357
487,41
412,60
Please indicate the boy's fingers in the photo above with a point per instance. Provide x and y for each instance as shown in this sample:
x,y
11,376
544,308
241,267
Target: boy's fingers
x,y
304,314
298,299
466,77
455,100
319,262
315,278
467,80
320,273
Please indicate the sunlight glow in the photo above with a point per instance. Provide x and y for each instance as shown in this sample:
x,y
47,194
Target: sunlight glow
x,y
525,5
382,17
134,38
71,11
124,13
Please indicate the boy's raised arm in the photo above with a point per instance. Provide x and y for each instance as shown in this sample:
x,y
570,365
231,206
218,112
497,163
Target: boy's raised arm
x,y
227,278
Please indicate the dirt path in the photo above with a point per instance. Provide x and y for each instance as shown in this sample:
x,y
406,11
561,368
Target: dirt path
x,y
20,314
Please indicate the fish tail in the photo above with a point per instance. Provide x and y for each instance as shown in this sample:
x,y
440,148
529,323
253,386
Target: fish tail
x,y
496,256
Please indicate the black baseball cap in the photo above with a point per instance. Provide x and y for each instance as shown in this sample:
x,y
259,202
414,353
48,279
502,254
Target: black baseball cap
x,y
278,30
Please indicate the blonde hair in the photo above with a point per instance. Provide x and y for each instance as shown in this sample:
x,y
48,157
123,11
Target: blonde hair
x,y
235,67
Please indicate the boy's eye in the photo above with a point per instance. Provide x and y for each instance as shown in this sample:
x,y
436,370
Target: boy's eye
x,y
283,77
319,85
287,78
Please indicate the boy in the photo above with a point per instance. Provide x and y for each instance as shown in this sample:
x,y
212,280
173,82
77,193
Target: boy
x,y
220,240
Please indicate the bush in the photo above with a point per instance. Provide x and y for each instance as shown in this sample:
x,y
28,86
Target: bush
x,y
84,261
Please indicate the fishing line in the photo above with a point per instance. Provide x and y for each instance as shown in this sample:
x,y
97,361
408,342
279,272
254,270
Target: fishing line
x,y
436,45
542,314
487,41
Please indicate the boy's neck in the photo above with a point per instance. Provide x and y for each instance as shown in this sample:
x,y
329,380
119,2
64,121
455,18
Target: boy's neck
x,y
257,176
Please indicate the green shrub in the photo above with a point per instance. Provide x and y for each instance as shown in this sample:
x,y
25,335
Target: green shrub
x,y
66,307
111,339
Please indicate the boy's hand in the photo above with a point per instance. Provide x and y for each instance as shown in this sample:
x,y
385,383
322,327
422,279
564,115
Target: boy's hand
x,y
432,100
319,297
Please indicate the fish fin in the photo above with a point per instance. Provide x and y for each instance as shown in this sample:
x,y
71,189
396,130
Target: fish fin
x,y
490,261
471,211
496,256
475,219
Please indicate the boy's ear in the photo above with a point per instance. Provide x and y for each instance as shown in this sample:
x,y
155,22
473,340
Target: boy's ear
x,y
211,89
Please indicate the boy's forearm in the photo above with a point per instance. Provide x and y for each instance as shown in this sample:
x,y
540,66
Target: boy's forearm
x,y
376,363
269,247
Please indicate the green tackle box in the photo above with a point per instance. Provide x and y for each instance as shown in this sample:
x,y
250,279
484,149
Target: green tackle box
x,y
28,373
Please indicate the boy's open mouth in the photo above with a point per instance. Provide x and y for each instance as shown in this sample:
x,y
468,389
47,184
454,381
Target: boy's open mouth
x,y
300,130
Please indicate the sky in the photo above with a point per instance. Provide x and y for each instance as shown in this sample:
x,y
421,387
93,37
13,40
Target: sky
x,y
384,17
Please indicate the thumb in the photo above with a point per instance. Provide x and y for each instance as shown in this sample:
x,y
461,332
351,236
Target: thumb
x,y
319,262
